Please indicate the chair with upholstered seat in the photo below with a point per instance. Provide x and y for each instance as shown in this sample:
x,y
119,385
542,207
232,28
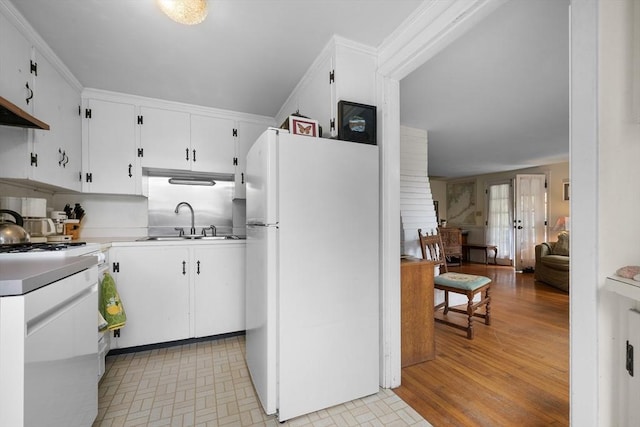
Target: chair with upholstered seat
x,y
459,283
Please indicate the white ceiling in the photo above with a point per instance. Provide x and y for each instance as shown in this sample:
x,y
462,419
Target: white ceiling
x,y
246,56
496,99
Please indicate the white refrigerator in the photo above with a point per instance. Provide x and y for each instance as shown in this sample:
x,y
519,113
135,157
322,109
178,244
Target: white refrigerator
x,y
312,272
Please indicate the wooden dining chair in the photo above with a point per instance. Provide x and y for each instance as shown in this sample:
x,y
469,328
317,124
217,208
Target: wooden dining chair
x,y
459,283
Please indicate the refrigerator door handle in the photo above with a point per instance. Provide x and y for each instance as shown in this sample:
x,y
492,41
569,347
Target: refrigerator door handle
x,y
262,224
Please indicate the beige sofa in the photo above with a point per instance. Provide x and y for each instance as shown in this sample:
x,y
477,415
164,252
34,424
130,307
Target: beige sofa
x,y
552,262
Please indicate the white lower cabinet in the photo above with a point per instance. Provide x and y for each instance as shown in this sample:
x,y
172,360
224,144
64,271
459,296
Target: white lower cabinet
x,y
219,289
154,294
175,292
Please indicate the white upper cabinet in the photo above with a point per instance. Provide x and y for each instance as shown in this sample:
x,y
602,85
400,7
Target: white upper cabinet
x,y
15,65
144,135
180,140
212,144
246,134
59,149
344,71
110,153
314,98
51,157
165,138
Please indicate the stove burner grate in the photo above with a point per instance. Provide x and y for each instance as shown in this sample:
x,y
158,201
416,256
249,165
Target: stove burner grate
x,y
38,247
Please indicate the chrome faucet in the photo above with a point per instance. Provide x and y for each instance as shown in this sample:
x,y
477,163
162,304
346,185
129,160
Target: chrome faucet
x,y
213,230
193,226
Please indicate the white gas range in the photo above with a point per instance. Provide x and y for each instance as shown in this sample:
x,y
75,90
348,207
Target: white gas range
x,y
48,346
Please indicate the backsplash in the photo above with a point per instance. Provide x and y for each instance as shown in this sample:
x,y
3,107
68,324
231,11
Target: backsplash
x,y
212,205
116,216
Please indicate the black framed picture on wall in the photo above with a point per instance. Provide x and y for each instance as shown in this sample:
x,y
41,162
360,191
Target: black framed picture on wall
x,y
357,122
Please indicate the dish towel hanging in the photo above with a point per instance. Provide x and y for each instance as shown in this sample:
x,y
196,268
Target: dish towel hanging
x,y
111,307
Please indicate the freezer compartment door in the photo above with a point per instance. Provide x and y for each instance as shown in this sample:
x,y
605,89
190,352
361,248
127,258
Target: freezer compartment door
x,y
261,282
261,179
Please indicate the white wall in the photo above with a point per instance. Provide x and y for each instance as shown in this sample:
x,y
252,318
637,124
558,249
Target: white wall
x,y
556,174
106,215
416,201
618,193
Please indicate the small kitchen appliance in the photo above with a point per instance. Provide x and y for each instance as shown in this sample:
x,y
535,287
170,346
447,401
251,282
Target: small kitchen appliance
x,y
39,227
29,207
58,218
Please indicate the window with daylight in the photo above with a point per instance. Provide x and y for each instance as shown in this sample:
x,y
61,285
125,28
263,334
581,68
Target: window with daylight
x,y
500,220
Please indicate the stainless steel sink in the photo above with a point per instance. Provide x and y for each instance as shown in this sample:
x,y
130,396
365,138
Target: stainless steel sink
x,y
185,237
160,238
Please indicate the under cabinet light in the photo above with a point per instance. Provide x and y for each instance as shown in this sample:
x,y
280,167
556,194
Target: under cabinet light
x,y
192,181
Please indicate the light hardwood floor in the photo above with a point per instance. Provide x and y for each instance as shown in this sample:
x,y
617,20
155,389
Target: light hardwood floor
x,y
514,372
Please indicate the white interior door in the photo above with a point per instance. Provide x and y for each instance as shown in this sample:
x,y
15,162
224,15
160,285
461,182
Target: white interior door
x,y
530,219
500,230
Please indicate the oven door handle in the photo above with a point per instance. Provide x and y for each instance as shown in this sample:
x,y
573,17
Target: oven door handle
x,y
48,316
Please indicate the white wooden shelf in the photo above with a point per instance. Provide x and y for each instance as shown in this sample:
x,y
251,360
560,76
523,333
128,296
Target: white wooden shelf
x,y
628,288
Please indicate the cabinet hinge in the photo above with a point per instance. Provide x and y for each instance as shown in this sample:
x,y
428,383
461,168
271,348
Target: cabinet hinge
x,y
332,76
235,132
332,124
34,159
116,333
89,177
235,161
34,67
80,176
80,110
140,120
545,183
116,267
140,152
87,113
546,223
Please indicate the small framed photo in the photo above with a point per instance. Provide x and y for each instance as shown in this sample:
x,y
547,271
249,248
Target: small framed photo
x,y
357,122
303,126
565,190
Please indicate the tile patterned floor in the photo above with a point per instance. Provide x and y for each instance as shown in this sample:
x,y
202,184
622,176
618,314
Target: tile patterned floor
x,y
207,384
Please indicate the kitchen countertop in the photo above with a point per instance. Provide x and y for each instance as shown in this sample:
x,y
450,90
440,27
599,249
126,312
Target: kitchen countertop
x,y
17,277
185,242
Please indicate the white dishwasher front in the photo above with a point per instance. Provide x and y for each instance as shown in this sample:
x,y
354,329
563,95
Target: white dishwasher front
x,y
59,385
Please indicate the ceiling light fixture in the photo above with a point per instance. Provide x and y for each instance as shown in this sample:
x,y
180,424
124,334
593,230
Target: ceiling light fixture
x,y
188,12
